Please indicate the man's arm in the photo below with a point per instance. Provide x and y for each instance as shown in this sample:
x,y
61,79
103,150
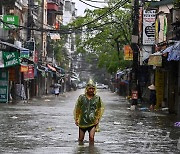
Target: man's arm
x,y
100,110
77,111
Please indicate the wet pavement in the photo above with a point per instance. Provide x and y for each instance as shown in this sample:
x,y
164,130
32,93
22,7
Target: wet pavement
x,y
46,126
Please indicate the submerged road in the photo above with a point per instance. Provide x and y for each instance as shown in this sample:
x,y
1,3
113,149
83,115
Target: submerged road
x,y
46,126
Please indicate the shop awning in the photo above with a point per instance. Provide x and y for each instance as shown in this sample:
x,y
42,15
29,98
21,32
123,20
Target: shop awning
x,y
155,59
5,46
8,47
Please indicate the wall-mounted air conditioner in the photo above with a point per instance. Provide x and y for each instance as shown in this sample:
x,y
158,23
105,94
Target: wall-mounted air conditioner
x,y
176,15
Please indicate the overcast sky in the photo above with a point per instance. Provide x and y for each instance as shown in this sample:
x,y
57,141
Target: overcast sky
x,y
80,6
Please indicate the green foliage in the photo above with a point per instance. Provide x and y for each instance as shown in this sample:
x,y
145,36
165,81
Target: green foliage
x,y
60,52
177,3
105,37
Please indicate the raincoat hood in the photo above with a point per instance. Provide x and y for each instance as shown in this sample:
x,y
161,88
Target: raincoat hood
x,y
90,84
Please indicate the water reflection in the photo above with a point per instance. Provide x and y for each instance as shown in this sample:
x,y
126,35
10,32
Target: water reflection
x,y
86,148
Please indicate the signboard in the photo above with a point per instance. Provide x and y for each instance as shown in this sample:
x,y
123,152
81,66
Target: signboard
x,y
155,60
1,24
128,53
3,86
24,53
10,58
30,45
35,58
134,94
30,73
1,60
24,68
149,27
12,20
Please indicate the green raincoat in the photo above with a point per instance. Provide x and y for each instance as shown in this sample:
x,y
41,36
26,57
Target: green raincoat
x,y
88,111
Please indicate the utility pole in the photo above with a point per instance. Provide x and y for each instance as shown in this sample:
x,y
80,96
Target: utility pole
x,y
42,32
29,21
134,46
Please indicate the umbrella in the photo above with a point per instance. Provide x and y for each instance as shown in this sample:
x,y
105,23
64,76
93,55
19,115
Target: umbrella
x,y
168,49
174,52
55,85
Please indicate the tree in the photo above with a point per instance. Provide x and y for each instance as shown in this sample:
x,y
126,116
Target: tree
x,y
104,38
60,52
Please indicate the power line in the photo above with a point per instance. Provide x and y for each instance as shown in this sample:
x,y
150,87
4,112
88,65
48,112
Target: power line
x,y
95,1
70,30
91,5
104,14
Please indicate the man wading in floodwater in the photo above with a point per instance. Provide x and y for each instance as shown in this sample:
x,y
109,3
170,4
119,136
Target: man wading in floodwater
x,y
88,111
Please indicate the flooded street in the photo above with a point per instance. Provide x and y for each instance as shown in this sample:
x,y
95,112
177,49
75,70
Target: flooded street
x,y
46,125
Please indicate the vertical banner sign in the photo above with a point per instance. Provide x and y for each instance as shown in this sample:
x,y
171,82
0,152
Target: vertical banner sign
x,y
159,82
35,57
149,27
3,86
140,21
1,60
1,24
128,53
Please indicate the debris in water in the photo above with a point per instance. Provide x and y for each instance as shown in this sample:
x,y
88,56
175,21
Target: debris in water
x,y
116,123
177,124
140,123
14,117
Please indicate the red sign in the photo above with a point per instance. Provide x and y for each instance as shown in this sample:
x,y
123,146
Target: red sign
x,y
30,73
134,94
35,56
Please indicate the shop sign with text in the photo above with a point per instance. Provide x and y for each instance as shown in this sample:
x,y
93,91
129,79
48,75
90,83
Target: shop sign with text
x,y
3,86
10,22
128,53
149,27
30,73
10,58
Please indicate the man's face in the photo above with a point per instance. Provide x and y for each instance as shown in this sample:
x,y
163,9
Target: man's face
x,y
90,91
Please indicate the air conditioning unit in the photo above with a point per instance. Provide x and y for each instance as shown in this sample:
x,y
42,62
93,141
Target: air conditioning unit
x,y
176,15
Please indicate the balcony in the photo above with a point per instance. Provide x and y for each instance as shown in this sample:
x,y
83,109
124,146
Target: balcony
x,y
55,9
52,6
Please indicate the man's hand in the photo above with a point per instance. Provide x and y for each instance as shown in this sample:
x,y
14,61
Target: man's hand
x,y
97,121
77,123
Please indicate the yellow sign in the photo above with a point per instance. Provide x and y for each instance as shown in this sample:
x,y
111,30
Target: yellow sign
x,y
128,53
155,60
24,68
159,82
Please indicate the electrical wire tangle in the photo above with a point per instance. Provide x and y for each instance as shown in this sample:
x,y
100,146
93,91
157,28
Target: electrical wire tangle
x,y
73,29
